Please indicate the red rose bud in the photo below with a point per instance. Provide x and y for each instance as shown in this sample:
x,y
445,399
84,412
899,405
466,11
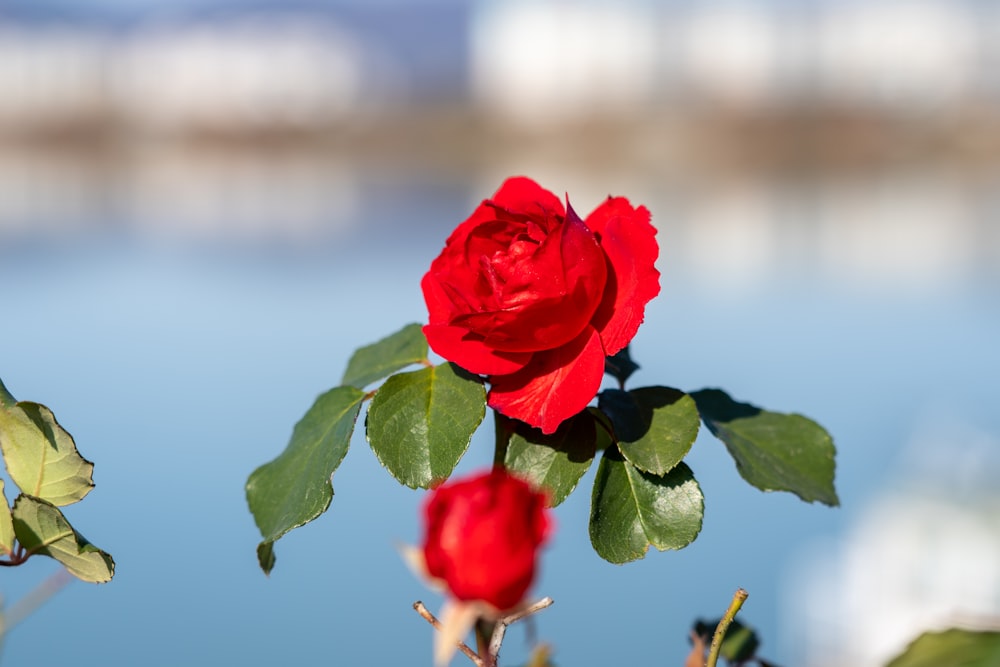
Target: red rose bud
x,y
483,536
527,293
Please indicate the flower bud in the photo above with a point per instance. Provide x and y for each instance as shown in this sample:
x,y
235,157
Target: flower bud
x,y
482,537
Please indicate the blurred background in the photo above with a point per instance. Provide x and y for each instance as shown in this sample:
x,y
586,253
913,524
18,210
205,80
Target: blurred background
x,y
207,205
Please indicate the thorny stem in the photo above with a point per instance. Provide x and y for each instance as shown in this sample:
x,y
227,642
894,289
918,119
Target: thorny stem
x,y
739,597
419,607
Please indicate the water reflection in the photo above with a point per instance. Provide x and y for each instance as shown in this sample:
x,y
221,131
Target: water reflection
x,y
187,197
904,229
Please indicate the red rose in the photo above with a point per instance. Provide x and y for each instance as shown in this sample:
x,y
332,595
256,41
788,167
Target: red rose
x,y
532,296
483,535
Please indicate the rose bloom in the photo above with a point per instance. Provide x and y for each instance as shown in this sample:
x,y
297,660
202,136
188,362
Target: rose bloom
x,y
530,295
483,535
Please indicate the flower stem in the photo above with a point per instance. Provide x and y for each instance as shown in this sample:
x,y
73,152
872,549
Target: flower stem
x,y
484,631
739,597
501,427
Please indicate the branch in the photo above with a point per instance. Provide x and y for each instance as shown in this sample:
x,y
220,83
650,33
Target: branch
x,y
419,607
502,623
493,650
720,632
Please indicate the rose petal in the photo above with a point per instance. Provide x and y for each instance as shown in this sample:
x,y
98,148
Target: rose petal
x,y
457,345
629,241
523,195
484,213
548,298
554,386
440,303
454,284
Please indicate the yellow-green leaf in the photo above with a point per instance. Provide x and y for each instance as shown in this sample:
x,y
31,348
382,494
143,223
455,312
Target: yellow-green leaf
x,y
42,529
6,399
6,525
41,456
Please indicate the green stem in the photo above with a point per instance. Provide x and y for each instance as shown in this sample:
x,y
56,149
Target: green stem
x,y
501,428
720,632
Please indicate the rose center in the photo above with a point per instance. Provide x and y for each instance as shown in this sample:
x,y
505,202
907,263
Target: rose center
x,y
509,269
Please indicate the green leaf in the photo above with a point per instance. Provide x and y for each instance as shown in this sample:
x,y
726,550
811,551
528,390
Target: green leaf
x,y
6,525
655,426
295,488
773,451
420,423
41,456
554,462
380,360
265,556
42,529
966,648
604,428
631,510
620,366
